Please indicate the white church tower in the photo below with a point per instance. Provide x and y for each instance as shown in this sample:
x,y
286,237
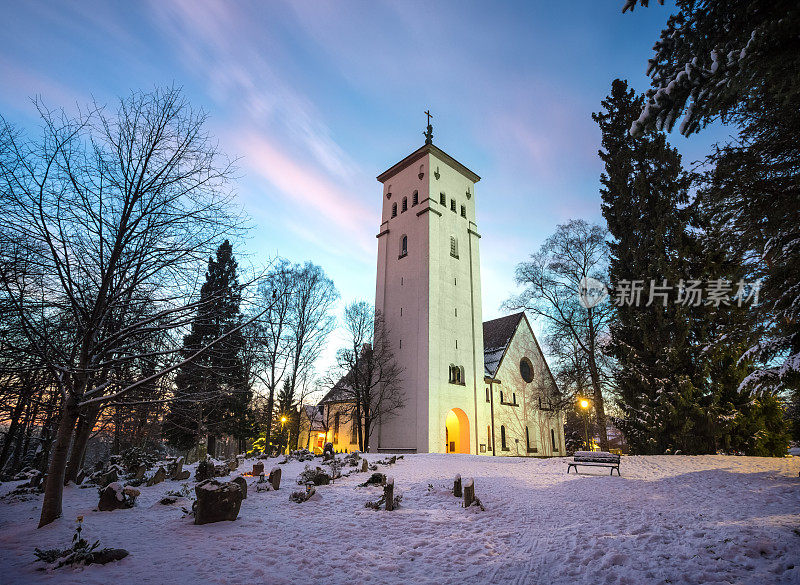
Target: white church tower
x,y
429,291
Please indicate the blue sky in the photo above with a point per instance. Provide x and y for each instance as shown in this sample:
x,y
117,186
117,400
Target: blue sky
x,y
317,98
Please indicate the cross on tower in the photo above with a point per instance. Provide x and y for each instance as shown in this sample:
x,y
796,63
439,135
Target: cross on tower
x,y
429,134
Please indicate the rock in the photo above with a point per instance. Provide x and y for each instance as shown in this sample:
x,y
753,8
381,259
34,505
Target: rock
x,y
167,500
457,486
242,483
115,497
275,478
160,475
183,475
108,555
140,471
216,501
258,469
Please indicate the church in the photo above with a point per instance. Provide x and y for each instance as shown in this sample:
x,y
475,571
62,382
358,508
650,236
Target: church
x,y
469,386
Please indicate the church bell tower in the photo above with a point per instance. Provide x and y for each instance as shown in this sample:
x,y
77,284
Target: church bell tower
x,y
429,292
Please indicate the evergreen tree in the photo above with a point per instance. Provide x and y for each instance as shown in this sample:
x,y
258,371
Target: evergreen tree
x,y
739,61
645,194
212,394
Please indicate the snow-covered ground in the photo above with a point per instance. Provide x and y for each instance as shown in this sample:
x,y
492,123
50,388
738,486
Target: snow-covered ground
x,y
668,519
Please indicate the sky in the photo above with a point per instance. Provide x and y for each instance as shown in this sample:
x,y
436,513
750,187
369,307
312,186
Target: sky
x,y
315,99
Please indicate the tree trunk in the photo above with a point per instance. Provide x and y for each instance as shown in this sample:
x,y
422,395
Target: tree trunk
x,y
54,482
12,431
599,406
83,431
211,446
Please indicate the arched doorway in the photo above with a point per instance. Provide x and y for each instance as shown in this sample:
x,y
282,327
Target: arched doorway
x,y
456,431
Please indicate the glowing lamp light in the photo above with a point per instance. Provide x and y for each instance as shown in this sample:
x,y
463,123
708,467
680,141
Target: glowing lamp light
x,y
584,403
283,419
322,435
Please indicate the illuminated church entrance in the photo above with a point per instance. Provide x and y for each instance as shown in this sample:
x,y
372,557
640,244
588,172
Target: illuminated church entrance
x,y
456,432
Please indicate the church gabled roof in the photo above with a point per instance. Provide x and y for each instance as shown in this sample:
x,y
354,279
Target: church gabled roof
x,y
418,154
497,335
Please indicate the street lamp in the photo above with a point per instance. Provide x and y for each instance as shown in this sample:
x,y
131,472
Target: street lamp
x,y
584,404
283,421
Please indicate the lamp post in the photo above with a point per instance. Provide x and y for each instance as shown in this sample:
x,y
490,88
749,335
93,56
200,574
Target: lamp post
x,y
584,404
283,422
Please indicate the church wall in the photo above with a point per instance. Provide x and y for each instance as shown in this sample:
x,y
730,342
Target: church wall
x,y
527,413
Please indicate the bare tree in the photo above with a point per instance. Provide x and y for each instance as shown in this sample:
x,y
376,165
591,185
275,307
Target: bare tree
x,y
553,279
311,321
368,379
115,214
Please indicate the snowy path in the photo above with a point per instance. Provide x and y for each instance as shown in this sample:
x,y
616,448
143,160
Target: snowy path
x,y
710,519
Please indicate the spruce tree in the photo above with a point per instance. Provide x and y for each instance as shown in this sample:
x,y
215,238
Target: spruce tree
x,y
211,391
645,196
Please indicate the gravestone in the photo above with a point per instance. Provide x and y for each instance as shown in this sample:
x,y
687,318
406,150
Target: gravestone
x,y
457,486
388,494
159,476
364,465
140,471
216,501
177,469
275,478
242,483
469,492
115,497
258,468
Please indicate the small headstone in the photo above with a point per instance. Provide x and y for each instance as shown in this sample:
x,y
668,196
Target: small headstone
x,y
364,466
275,478
115,497
457,486
159,476
177,469
183,475
242,483
258,468
140,471
388,494
469,492
216,501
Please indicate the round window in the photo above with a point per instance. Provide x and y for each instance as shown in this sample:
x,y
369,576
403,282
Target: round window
x,y
526,369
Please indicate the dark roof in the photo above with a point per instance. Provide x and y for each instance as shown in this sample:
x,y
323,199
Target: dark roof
x,y
497,334
418,154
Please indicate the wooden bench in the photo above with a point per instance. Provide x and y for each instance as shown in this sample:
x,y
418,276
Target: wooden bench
x,y
595,459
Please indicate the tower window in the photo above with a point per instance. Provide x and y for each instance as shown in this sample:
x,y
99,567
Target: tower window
x,y
403,246
405,204
401,311
394,209
456,374
455,312
453,205
503,445
488,396
553,439
463,211
442,199
453,247
415,198
528,447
